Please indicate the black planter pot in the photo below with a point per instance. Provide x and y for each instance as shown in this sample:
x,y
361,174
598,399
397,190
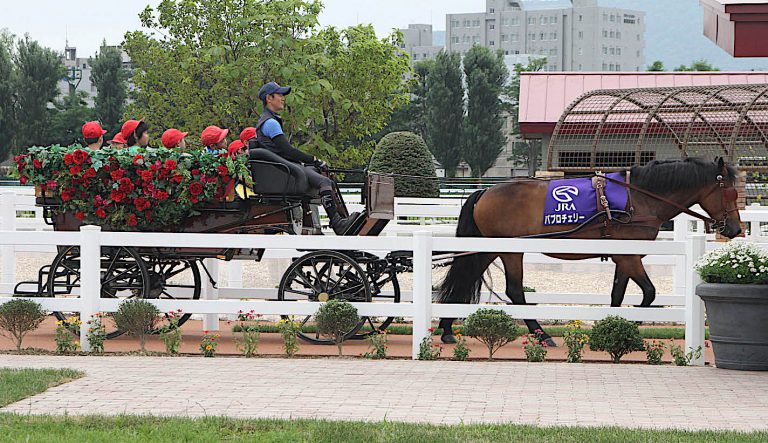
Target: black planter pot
x,y
738,324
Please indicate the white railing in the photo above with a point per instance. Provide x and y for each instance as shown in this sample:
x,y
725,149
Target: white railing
x,y
421,309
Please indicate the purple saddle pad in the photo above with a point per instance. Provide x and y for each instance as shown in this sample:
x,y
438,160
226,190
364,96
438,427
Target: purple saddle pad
x,y
574,201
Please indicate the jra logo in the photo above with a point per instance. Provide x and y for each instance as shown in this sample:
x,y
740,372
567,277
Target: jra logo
x,y
565,194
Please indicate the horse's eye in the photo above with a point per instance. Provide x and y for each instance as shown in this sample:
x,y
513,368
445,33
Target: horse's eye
x,y
730,194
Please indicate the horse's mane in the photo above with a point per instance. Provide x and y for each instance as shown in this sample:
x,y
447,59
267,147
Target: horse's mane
x,y
673,175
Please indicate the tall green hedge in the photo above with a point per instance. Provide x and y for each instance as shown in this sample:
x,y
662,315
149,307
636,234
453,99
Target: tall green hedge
x,y
406,153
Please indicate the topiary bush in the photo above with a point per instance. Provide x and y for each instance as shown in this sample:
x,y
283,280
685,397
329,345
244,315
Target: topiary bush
x,y
18,318
138,318
406,153
493,327
617,336
335,318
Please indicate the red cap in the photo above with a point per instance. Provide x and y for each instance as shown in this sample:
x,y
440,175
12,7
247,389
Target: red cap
x,y
247,134
172,137
93,130
129,128
118,139
212,135
234,147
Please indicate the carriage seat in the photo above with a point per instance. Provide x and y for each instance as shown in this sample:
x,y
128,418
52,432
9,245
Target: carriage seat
x,y
274,175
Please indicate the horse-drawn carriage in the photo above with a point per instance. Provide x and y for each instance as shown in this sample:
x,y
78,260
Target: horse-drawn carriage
x,y
279,202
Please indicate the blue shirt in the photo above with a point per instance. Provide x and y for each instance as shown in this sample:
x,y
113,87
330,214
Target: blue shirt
x,y
271,128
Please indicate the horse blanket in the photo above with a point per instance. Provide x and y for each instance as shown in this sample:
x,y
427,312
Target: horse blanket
x,y
574,201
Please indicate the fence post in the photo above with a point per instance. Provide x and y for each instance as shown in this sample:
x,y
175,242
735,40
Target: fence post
x,y
8,253
211,321
680,271
694,306
90,279
422,288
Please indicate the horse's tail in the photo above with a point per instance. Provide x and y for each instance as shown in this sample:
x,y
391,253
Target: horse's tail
x,y
465,275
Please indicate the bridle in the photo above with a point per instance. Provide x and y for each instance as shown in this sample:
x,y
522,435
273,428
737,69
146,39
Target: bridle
x,y
728,196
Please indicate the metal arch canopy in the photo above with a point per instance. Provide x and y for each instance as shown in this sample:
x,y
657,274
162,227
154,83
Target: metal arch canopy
x,y
612,129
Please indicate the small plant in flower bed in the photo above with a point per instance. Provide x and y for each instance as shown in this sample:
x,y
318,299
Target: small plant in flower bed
x,y
617,336
289,330
493,327
137,318
535,349
134,188
335,318
378,346
654,352
97,333
18,318
737,262
65,340
247,333
427,350
170,333
575,338
683,358
461,350
209,343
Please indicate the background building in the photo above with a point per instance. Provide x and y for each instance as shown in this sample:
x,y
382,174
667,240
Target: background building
x,y
574,36
419,42
78,76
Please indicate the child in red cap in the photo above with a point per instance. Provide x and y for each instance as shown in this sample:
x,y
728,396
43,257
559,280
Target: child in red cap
x,y
118,142
94,135
135,133
214,139
173,138
236,147
247,135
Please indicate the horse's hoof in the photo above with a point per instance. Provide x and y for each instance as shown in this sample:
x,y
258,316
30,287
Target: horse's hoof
x,y
448,339
550,343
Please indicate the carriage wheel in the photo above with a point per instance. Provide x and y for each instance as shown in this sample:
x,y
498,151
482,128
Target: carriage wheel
x,y
123,275
175,280
322,276
373,322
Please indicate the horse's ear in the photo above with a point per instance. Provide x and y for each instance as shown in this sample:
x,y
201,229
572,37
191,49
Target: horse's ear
x,y
720,163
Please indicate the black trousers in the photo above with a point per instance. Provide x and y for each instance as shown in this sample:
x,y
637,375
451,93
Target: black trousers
x,y
317,180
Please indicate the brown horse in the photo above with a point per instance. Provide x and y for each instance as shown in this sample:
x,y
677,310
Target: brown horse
x,y
658,192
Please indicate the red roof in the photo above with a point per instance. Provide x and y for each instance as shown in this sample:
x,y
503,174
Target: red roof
x,y
545,95
740,27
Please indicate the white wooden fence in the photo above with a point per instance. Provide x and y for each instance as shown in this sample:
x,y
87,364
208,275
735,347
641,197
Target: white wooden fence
x,y
421,309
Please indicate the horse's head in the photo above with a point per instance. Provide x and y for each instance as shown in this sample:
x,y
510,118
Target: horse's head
x,y
719,201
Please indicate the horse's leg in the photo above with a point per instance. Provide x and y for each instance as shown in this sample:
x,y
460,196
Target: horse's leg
x,y
467,273
620,280
513,267
632,267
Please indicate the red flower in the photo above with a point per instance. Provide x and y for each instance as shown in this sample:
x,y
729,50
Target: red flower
x,y
98,201
223,170
138,160
170,164
66,195
51,184
431,330
117,174
101,213
80,156
145,175
177,178
68,159
117,196
132,220
22,180
75,170
141,203
195,172
195,189
211,180
37,163
194,200
162,196
80,215
126,185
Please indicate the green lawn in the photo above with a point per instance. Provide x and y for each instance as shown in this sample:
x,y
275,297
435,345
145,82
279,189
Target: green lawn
x,y
18,384
159,430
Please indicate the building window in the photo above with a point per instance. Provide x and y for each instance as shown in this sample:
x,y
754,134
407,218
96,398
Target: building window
x,y
638,37
579,66
544,20
605,17
532,36
629,19
613,34
466,39
605,67
638,53
541,36
517,51
476,23
581,18
531,20
618,67
467,23
554,36
581,51
492,43
515,21
618,35
491,26
506,52
476,39
492,10
505,22
455,23
612,51
454,39
581,34
415,56
610,67
605,50
553,19
504,38
605,33
613,18
515,38
554,67
618,51
553,51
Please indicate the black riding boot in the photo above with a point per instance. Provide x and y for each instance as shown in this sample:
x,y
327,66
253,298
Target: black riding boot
x,y
338,223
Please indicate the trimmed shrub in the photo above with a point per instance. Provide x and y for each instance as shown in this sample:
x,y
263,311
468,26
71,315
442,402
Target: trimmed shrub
x,y
335,318
18,318
406,153
138,318
493,327
617,336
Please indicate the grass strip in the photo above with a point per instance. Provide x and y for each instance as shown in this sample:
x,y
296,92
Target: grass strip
x,y
18,384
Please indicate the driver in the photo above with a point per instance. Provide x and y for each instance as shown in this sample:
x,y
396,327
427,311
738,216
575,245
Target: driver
x,y
269,134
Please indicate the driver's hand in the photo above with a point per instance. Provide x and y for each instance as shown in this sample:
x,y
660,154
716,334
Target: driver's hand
x,y
320,164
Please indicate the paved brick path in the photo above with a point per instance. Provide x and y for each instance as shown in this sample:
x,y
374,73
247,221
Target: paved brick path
x,y
399,390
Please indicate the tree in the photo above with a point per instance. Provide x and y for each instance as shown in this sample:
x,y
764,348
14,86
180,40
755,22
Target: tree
x,y
698,65
110,79
657,66
524,152
445,111
217,54
412,116
66,119
484,140
38,71
7,117
404,153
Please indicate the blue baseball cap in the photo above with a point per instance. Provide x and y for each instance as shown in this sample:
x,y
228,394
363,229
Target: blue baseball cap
x,y
273,88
